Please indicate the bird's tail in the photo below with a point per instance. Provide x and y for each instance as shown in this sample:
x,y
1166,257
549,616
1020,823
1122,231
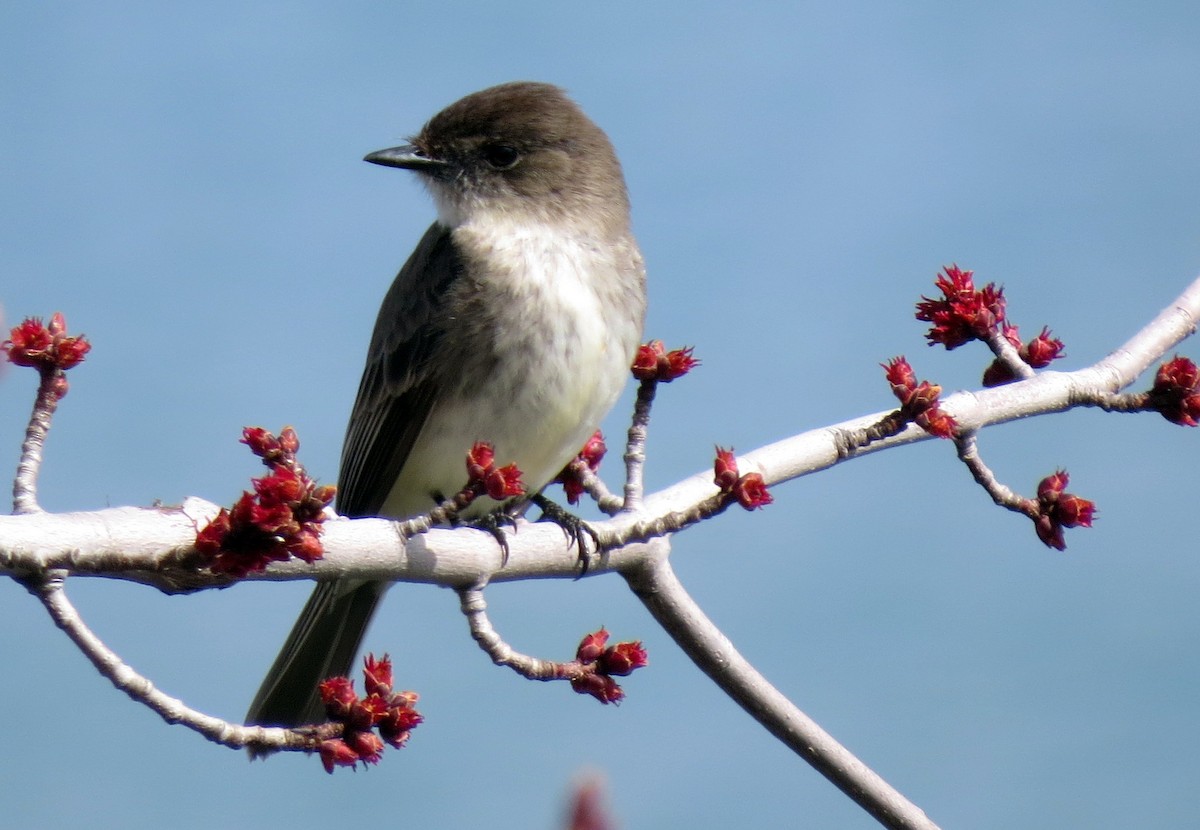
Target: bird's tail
x,y
322,644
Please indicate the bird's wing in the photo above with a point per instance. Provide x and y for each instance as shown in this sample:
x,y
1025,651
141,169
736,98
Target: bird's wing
x,y
397,391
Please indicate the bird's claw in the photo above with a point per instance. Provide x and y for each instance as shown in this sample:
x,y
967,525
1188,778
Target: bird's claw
x,y
494,523
574,528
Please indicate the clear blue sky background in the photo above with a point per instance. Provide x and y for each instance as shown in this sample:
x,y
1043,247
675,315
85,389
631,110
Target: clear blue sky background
x,y
184,182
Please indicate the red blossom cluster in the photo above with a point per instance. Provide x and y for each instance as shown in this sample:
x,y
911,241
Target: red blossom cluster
x,y
1037,353
602,662
280,519
1176,392
964,313
749,490
45,346
484,477
1058,509
919,402
654,363
589,458
393,714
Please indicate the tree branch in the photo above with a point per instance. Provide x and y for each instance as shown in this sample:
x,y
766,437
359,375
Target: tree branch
x,y
655,584
50,590
25,483
155,546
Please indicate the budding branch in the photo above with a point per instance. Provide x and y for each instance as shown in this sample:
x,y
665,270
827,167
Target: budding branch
x,y
157,546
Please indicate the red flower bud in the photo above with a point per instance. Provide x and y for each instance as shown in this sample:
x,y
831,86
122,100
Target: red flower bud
x,y
396,728
70,352
366,744
600,686
1176,392
400,720
1051,486
1178,373
937,423
324,494
900,376
645,362
260,441
306,546
622,659
480,460
211,537
1013,335
336,753
677,363
28,342
504,483
1050,532
367,712
751,491
725,470
591,646
998,373
654,362
377,675
921,398
1073,511
1042,350
289,441
282,486
593,451
338,695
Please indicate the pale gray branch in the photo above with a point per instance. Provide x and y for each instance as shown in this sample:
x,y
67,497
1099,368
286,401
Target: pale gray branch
x,y
148,544
474,608
30,463
154,546
50,590
657,587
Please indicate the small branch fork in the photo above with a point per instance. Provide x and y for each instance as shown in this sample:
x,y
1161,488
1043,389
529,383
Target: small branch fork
x,y
635,542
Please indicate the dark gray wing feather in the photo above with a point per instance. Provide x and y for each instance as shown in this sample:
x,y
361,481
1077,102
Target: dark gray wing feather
x,y
394,399
397,388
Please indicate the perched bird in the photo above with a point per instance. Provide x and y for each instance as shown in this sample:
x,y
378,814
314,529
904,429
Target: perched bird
x,y
514,321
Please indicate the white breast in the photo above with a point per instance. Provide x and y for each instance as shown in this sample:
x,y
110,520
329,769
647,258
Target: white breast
x,y
571,353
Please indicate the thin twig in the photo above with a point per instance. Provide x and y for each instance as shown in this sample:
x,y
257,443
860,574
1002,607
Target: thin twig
x,y
968,453
635,445
1008,354
594,486
654,527
658,588
44,405
474,608
50,590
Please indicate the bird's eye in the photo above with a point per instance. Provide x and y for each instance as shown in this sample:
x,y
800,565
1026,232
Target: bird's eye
x,y
500,156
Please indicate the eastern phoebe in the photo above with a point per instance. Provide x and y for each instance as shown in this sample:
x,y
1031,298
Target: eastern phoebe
x,y
514,321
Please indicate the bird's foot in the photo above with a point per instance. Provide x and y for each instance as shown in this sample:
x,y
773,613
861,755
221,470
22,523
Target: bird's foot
x,y
494,524
576,529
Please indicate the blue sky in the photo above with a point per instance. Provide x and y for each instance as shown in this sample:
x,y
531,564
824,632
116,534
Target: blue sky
x,y
184,182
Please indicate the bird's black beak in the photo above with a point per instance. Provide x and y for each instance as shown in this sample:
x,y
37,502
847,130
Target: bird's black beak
x,y
408,156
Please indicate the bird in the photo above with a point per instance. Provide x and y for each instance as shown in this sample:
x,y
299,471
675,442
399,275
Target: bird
x,y
514,321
